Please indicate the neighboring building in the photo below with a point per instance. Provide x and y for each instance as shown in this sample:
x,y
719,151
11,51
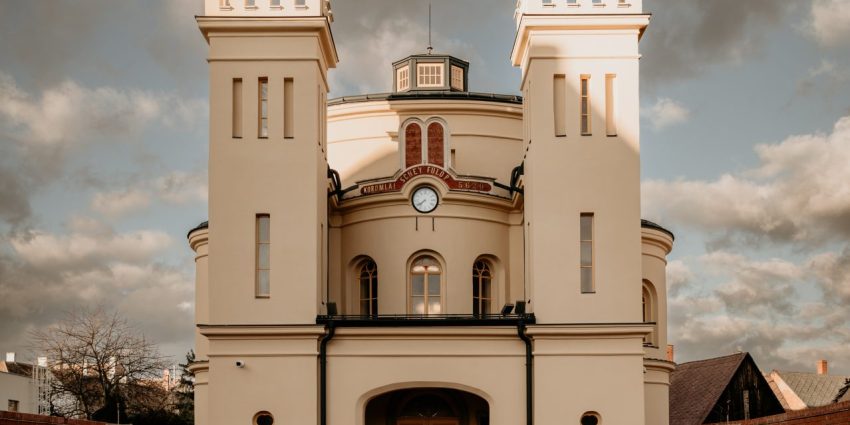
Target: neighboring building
x,y
430,256
15,418
831,414
17,387
801,390
728,388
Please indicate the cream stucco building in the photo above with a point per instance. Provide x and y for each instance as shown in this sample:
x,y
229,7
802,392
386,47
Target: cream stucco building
x,y
429,256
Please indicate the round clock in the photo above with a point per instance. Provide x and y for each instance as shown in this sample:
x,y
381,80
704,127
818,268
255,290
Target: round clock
x,y
425,199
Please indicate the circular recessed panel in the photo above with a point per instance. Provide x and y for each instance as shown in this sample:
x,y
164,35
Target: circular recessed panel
x,y
425,199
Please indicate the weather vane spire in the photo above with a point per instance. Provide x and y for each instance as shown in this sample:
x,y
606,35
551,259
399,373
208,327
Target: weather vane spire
x,y
430,46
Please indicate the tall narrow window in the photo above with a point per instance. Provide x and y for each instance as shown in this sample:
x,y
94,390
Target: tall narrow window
x,y
610,106
425,281
237,108
586,245
300,2
288,108
585,105
412,145
402,76
482,280
263,263
368,288
250,3
263,107
650,313
436,144
275,3
559,88
746,404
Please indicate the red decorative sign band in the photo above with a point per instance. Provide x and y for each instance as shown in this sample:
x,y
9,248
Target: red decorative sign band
x,y
426,170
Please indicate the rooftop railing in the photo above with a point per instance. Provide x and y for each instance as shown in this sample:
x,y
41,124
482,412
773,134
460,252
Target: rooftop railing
x,y
409,320
264,8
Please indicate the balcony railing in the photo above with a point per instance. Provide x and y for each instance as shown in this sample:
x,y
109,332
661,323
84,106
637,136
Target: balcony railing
x,y
404,320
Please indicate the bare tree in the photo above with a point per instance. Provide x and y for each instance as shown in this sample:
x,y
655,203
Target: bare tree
x,y
101,366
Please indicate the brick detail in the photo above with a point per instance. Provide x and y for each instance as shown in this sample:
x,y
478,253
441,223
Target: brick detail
x,y
412,145
16,418
832,414
436,152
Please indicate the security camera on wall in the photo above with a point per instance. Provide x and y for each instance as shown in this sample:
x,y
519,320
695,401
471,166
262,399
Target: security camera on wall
x,y
240,363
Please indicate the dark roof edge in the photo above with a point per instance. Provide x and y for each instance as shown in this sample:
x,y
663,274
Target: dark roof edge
x,y
650,225
429,95
204,225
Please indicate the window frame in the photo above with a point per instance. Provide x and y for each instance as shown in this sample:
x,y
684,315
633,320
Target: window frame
x,y
650,312
585,106
582,240
482,305
402,75
425,296
373,283
258,242
438,77
457,76
263,102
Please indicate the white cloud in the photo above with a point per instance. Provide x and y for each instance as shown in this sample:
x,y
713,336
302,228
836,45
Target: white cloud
x,y
829,22
666,113
679,277
180,187
119,203
75,249
799,192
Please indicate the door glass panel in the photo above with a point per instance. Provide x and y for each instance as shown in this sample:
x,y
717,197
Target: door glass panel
x,y
418,305
434,305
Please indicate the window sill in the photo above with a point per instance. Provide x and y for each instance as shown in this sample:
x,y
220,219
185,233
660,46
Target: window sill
x,y
277,7
288,138
237,137
301,6
262,297
261,137
587,134
599,5
227,8
588,293
624,5
573,5
251,7
548,4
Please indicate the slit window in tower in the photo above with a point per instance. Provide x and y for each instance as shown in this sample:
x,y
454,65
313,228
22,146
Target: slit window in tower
x,y
237,108
263,108
263,255
610,106
288,108
301,3
585,105
586,249
560,107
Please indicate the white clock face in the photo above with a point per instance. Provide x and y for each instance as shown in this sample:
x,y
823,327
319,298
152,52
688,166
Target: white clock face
x,y
425,199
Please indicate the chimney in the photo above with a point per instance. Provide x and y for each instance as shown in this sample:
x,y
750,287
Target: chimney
x,y
823,367
10,357
671,353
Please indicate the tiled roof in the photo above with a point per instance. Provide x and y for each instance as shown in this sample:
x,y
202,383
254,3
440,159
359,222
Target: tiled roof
x,y
815,390
16,368
696,386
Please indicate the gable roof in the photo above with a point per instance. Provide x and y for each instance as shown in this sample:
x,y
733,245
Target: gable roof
x,y
696,386
815,390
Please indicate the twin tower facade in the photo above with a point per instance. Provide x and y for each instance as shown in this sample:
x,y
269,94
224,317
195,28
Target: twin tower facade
x,y
430,255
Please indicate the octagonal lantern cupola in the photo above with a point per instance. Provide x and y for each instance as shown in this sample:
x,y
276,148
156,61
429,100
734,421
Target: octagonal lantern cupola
x,y
430,72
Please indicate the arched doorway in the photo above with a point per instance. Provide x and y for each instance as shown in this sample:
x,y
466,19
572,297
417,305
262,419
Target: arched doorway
x,y
427,406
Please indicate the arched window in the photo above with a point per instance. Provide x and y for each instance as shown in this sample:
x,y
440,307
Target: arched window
x,y
649,309
425,281
412,145
482,278
436,144
368,287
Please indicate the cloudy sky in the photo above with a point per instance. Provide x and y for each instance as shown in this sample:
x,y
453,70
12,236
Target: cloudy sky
x,y
745,149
